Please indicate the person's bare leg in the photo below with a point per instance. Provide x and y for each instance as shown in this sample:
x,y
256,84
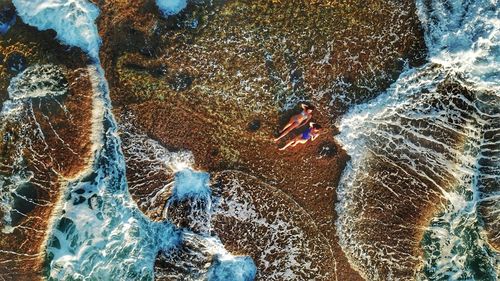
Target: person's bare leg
x,y
287,125
288,130
299,142
287,145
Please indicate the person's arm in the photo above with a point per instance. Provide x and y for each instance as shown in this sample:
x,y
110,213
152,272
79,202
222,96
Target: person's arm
x,y
314,136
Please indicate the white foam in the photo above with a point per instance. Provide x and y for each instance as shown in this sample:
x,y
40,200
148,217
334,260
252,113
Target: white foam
x,y
189,183
97,110
301,250
235,268
104,231
73,20
462,38
38,81
171,7
100,233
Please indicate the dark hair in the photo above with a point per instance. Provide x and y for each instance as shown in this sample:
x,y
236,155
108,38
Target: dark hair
x,y
316,126
308,106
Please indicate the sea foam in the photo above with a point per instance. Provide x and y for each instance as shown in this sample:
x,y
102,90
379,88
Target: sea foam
x,y
171,7
189,183
232,268
99,232
73,20
462,39
38,81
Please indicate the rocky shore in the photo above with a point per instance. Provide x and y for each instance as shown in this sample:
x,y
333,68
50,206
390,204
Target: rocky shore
x,y
220,79
45,141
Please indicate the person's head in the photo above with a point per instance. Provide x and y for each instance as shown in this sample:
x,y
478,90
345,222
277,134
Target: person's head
x,y
308,108
315,127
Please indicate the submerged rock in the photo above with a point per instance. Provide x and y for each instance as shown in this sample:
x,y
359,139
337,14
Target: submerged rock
x,y
7,17
46,140
254,125
327,149
181,82
16,62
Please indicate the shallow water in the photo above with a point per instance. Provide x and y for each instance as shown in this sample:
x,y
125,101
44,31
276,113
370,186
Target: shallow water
x,y
441,121
100,233
418,199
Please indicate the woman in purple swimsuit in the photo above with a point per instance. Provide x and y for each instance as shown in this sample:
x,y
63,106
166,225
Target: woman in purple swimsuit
x,y
297,121
310,134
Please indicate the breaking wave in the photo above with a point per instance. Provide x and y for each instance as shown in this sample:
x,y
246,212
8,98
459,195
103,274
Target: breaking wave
x,y
429,146
73,20
98,231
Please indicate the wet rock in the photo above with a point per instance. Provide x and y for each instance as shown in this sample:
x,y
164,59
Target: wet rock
x,y
327,149
153,188
80,191
192,214
24,198
245,218
16,62
79,200
489,179
186,258
158,71
134,66
196,258
7,17
65,224
62,153
255,58
148,50
377,213
181,82
214,151
254,125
